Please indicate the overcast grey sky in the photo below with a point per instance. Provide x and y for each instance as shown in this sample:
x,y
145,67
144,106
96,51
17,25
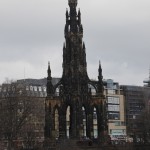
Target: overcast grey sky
x,y
117,32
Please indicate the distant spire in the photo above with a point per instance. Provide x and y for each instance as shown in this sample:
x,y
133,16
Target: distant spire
x,y
49,70
64,45
83,45
79,17
100,69
67,15
67,11
99,63
79,13
149,73
100,80
50,88
149,78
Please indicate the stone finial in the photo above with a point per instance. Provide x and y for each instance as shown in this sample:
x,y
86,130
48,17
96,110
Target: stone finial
x,y
73,1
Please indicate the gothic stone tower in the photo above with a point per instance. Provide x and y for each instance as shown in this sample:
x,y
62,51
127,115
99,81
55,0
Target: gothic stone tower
x,y
74,87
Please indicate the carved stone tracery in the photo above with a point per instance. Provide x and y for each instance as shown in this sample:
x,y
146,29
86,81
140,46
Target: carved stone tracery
x,y
74,90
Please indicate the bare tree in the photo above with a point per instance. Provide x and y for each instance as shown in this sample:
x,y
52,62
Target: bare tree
x,y
15,107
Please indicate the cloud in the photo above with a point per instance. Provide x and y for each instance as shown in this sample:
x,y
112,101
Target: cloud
x,y
115,32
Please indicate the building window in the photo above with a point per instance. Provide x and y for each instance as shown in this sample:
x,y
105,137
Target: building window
x,y
117,123
27,88
117,132
40,88
111,91
44,88
114,115
113,107
122,123
31,88
113,100
35,88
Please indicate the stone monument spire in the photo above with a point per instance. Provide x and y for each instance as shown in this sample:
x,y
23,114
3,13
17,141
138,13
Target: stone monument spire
x,y
71,101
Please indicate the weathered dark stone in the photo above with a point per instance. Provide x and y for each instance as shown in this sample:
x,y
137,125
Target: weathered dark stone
x,y
74,86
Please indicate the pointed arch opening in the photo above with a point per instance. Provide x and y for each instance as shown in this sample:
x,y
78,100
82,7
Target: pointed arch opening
x,y
68,121
95,123
58,88
56,116
84,122
92,89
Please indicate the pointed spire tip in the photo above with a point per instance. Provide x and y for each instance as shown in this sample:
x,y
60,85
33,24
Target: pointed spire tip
x,y
99,62
48,63
149,72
